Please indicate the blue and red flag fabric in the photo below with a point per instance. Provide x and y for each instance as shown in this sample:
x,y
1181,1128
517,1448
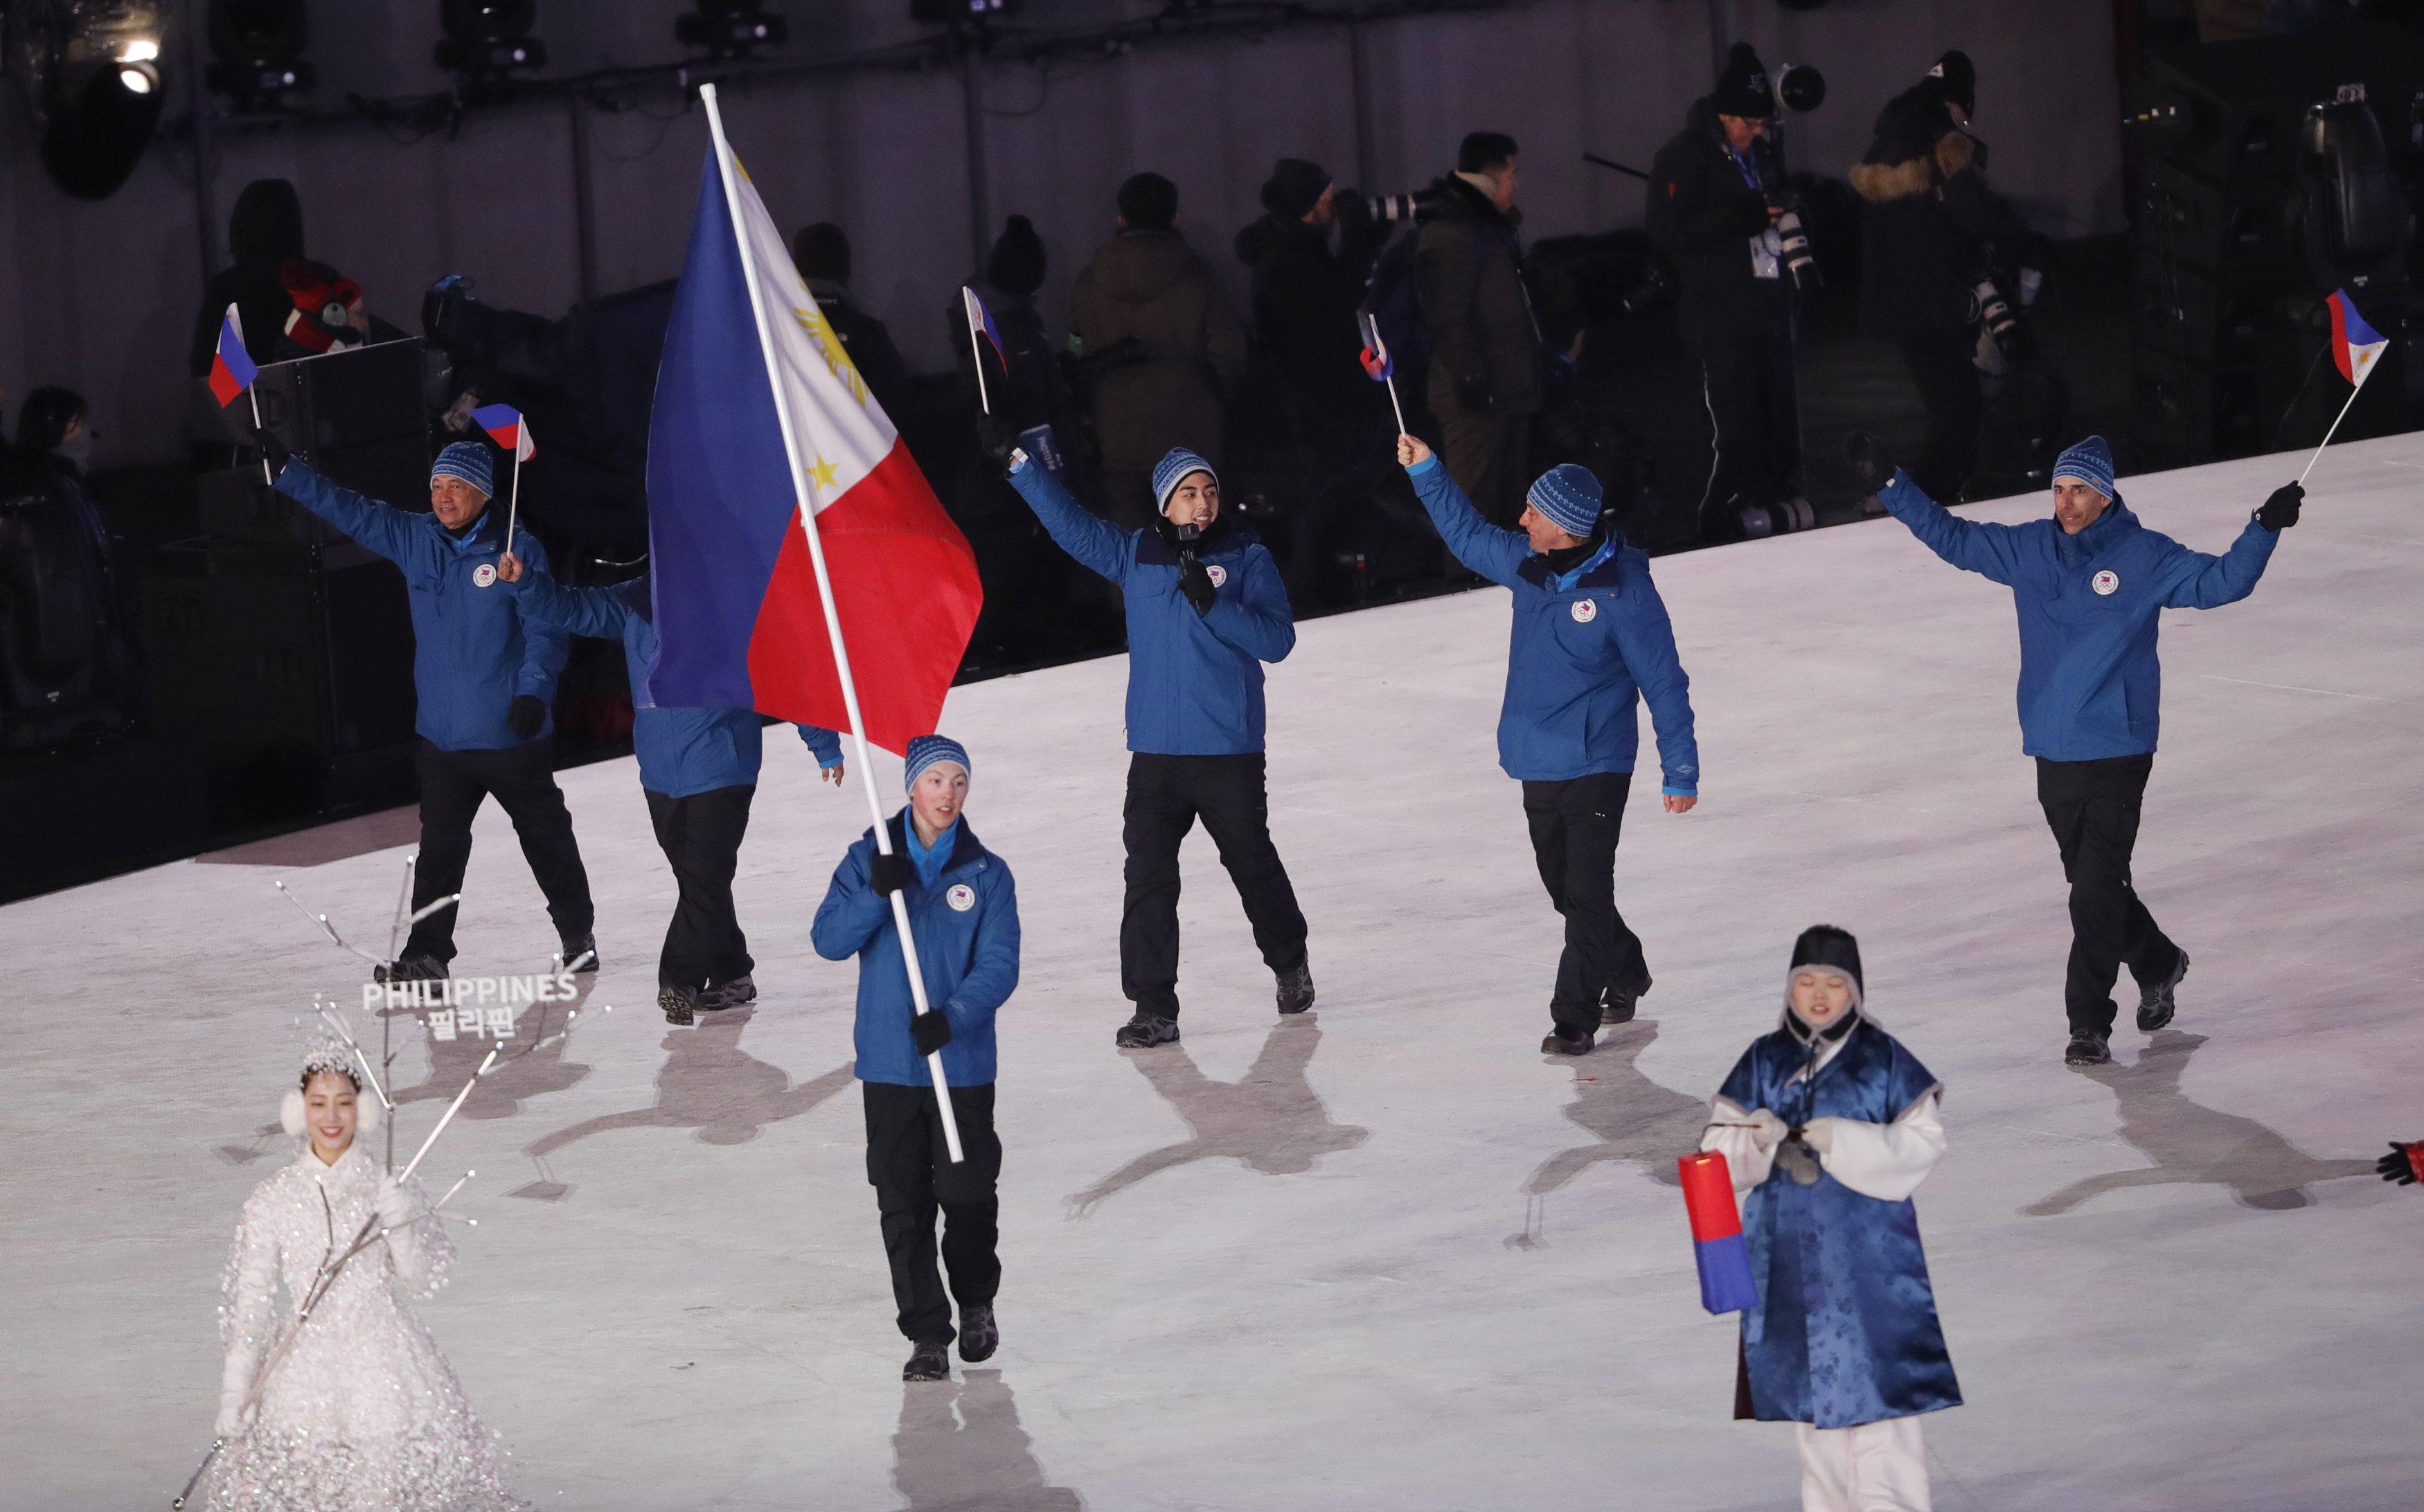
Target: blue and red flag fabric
x,y
1726,1281
739,619
508,429
2356,345
231,367
980,319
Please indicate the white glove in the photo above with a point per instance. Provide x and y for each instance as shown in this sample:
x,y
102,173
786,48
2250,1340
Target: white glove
x,y
1819,1135
1766,1129
2031,281
394,1206
235,1414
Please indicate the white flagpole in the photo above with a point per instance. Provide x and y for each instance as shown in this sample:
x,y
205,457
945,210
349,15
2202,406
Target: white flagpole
x,y
252,393
976,346
513,500
2337,418
824,592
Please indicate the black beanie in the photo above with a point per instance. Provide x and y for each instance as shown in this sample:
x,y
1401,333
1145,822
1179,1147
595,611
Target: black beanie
x,y
1016,265
1294,188
1955,79
1911,123
822,252
1823,944
1743,88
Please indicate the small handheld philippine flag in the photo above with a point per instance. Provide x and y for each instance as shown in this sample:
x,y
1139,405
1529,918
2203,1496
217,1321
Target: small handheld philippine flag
x,y
2356,345
232,366
507,427
980,319
1726,1281
1378,364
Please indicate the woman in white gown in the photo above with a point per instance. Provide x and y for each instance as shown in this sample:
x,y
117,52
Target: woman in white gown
x,y
361,1411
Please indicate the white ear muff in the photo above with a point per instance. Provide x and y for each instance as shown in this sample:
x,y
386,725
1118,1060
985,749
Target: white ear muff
x,y
290,1111
369,1112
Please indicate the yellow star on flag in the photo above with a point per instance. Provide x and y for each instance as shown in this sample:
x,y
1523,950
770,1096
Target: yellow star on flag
x,y
823,471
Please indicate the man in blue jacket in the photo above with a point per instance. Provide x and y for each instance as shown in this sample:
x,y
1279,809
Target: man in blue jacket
x,y
1205,609
1590,641
698,771
2090,585
963,913
484,685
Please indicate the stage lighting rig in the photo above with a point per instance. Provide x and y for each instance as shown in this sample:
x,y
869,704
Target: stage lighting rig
x,y
956,13
257,50
486,40
730,28
90,72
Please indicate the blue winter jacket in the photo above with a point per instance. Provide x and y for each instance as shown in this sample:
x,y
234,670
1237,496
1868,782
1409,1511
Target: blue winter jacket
x,y
967,928
681,751
1584,645
471,653
1195,681
2090,684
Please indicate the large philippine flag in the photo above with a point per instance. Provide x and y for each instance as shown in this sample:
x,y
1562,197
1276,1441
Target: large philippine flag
x,y
738,616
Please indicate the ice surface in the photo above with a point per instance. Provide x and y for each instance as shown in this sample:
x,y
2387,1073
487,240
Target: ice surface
x,y
1386,1256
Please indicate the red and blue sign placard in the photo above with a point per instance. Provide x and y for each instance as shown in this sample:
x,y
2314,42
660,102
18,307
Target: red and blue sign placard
x,y
1726,1281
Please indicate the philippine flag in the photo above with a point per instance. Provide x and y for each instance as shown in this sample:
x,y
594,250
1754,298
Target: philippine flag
x,y
232,366
2356,345
1378,364
739,619
980,319
1726,1281
507,427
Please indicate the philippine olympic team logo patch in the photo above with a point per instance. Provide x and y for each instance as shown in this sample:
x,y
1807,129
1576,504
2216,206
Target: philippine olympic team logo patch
x,y
484,574
1218,573
961,898
2105,583
1585,609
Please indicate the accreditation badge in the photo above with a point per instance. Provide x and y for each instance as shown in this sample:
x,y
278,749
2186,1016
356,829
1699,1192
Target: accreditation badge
x,y
961,898
483,575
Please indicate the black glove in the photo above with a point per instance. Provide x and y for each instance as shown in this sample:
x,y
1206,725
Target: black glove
x,y
526,716
1476,395
2397,1165
887,874
2280,512
273,448
931,1030
1196,583
1866,456
996,438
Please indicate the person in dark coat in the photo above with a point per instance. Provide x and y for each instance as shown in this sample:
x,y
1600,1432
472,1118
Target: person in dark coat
x,y
1931,231
963,910
1590,641
2090,583
821,253
1484,384
1148,309
1713,214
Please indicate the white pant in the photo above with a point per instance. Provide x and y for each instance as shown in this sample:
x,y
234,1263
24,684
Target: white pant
x,y
1877,1467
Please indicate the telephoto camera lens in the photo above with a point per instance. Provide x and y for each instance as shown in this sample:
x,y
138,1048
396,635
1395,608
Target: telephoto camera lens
x,y
1995,313
1396,207
1794,251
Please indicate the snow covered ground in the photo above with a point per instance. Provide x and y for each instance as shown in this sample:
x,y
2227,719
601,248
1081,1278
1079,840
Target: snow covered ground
x,y
1386,1256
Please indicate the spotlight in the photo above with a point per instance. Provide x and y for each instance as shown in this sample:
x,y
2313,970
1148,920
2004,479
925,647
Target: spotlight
x,y
90,70
257,48
488,40
730,28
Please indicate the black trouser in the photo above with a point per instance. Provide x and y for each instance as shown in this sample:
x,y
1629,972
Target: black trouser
x,y
1166,795
1487,455
453,783
1575,824
1946,370
913,1176
1755,410
2092,807
701,838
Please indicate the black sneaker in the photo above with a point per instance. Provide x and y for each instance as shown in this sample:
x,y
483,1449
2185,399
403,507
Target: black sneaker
x,y
2155,1004
980,1336
581,954
927,1363
738,992
2087,1050
681,1005
1566,1042
1146,1030
408,968
1296,988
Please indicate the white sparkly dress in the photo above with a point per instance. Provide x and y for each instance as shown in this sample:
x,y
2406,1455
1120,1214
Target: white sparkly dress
x,y
363,1411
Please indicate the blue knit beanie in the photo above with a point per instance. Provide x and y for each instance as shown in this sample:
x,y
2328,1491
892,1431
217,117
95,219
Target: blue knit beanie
x,y
469,461
2090,462
1173,470
1568,496
933,750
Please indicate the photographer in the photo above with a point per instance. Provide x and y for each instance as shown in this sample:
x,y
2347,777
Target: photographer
x,y
1485,374
1932,233
1712,211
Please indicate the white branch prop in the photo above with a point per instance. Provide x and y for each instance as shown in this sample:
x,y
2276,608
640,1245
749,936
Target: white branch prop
x,y
322,920
328,1012
402,906
435,904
